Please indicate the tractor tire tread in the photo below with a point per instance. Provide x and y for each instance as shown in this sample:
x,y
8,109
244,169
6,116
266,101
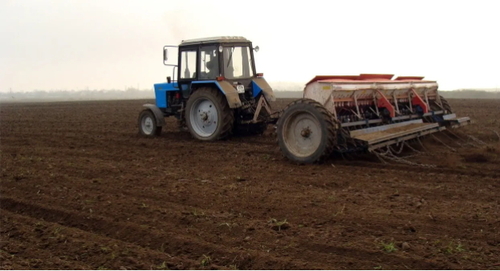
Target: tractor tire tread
x,y
157,130
327,117
227,113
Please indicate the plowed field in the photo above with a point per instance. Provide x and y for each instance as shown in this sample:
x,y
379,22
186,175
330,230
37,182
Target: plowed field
x,y
80,189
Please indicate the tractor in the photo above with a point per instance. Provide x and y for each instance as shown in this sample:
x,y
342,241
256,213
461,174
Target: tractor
x,y
215,92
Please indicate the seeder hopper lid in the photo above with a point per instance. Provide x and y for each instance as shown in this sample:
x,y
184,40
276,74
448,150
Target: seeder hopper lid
x,y
365,78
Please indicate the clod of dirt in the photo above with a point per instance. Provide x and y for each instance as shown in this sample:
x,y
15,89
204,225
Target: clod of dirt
x,y
487,154
405,246
19,177
410,228
476,158
493,149
449,160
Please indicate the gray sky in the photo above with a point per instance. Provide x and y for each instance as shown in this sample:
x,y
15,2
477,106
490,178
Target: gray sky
x,y
103,44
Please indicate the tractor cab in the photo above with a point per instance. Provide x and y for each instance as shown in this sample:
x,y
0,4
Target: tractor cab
x,y
212,58
230,58
226,63
219,58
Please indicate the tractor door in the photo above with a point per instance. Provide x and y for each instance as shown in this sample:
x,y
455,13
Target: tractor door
x,y
209,63
187,69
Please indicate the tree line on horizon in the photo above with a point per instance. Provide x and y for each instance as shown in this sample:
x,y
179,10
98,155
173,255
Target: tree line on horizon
x,y
133,93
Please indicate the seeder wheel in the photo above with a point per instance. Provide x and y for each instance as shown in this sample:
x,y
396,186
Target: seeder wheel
x,y
306,132
445,105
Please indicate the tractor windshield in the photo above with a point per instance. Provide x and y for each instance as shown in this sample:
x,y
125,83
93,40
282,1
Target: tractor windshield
x,y
237,62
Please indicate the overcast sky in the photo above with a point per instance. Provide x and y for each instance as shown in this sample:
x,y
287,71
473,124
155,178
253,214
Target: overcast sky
x,y
104,44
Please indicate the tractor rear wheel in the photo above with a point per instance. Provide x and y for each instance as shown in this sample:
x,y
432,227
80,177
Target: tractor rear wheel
x,y
306,132
147,124
208,115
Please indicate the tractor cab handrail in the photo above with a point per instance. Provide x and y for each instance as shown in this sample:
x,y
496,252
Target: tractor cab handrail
x,y
172,79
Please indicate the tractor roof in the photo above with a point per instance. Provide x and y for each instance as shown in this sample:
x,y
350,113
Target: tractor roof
x,y
220,39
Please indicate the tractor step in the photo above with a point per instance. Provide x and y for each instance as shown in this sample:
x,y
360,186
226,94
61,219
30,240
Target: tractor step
x,y
381,136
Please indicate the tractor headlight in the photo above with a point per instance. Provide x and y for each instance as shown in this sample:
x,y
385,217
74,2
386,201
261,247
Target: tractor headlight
x,y
240,89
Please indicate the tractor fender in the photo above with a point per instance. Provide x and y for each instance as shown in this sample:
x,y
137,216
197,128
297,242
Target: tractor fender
x,y
262,84
232,97
160,119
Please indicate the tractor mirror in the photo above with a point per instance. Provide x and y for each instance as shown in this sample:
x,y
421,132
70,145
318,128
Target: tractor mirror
x,y
256,49
165,55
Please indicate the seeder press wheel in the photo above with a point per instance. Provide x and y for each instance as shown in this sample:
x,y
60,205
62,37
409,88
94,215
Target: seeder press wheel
x,y
306,132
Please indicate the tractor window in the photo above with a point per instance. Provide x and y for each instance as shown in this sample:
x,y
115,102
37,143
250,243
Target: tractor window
x,y
237,62
209,64
188,64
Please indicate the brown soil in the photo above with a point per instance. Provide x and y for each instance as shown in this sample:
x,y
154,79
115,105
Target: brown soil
x,y
81,190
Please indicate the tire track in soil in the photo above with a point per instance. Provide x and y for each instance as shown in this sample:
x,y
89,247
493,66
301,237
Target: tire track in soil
x,y
16,255
306,180
436,229
172,215
394,167
159,201
177,244
353,255
88,250
96,189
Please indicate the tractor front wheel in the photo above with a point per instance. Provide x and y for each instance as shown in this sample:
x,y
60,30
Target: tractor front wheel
x,y
147,124
306,132
208,115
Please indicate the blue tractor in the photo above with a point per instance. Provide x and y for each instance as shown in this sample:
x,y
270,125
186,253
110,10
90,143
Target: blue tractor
x,y
214,91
